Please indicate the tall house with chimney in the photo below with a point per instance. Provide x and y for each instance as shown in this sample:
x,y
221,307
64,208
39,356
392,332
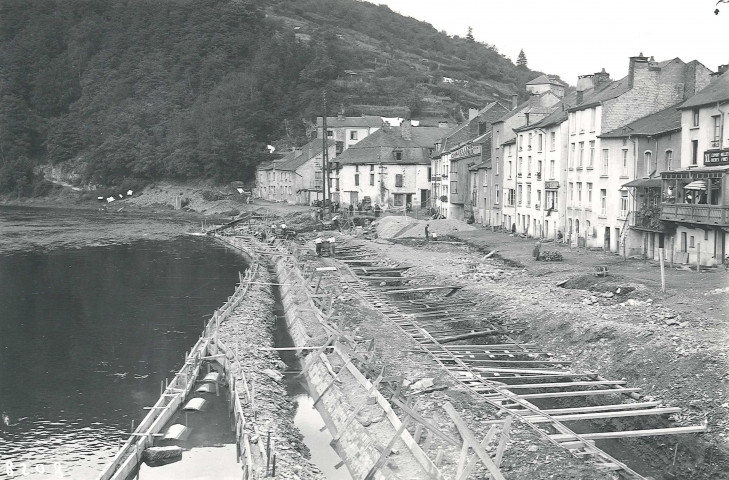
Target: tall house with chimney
x,y
694,209
451,188
597,204
390,167
498,197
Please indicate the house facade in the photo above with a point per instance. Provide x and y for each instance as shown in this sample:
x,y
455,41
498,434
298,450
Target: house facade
x,y
390,168
295,178
603,105
695,198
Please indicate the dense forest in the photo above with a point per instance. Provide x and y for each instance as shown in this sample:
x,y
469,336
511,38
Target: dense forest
x,y
153,89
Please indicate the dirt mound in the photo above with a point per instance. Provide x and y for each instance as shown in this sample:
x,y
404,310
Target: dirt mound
x,y
408,227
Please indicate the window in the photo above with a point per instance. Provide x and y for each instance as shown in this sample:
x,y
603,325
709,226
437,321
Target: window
x,y
539,196
399,199
539,142
588,231
625,162
551,169
623,203
589,194
520,167
593,115
521,141
669,160
603,202
572,155
692,243
716,141
497,166
605,161
695,117
706,234
552,141
509,169
579,193
512,196
539,170
551,197
591,160
582,155
330,133
529,145
430,172
518,194
647,159
372,179
496,192
529,195
339,148
353,135
572,193
398,180
529,166
694,152
398,155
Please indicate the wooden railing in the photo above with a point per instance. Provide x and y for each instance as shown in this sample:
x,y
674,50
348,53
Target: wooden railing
x,y
704,214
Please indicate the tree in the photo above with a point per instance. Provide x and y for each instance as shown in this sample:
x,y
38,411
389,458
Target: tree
x,y
521,60
469,35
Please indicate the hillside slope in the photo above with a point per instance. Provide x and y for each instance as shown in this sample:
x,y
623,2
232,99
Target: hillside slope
x,y
148,90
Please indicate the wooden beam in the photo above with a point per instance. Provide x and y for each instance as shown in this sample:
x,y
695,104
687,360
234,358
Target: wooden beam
x,y
630,433
386,451
599,408
422,289
565,384
613,414
482,333
473,460
418,418
473,443
578,393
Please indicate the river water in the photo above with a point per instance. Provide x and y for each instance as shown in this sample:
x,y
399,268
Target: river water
x,y
96,310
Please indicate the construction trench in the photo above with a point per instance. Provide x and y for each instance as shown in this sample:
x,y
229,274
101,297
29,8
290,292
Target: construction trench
x,y
453,393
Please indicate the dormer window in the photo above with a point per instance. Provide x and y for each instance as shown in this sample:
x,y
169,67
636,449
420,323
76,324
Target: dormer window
x,y
397,154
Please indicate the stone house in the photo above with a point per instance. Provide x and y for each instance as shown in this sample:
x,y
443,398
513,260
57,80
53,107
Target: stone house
x,y
391,167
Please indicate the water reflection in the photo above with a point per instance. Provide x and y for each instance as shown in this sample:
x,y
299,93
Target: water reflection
x,y
88,333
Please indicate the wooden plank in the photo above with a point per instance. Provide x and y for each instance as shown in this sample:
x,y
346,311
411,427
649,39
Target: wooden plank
x,y
609,414
599,408
473,443
418,418
631,433
474,459
520,370
422,289
386,451
564,384
502,442
464,336
530,362
578,393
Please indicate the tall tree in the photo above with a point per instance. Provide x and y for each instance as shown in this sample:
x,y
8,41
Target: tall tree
x,y
469,35
521,60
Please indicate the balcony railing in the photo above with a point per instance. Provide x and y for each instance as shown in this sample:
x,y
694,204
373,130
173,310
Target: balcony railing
x,y
650,220
703,214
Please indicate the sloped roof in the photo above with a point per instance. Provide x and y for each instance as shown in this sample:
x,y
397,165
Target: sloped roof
x,y
557,116
716,92
291,162
545,79
372,121
606,92
378,146
664,121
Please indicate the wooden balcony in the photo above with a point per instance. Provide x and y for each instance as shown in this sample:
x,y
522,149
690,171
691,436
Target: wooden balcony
x,y
700,214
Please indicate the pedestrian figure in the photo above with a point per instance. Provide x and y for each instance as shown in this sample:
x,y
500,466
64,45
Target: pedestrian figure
x,y
331,240
317,244
351,209
427,232
535,252
337,224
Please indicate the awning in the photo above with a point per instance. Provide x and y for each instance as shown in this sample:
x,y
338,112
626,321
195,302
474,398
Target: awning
x,y
696,185
644,183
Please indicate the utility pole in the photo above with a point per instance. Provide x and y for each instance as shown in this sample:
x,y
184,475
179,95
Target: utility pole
x,y
325,152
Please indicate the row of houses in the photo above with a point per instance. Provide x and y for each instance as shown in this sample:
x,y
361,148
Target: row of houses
x,y
627,165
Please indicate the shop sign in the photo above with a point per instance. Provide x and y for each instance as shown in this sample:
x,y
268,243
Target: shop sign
x,y
716,157
551,185
468,150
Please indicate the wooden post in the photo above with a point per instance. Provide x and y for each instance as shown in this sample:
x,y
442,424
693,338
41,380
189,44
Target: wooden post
x,y
663,272
673,246
698,258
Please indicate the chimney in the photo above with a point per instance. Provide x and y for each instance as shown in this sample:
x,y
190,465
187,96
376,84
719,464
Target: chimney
x,y
585,82
600,78
720,70
472,113
297,152
406,130
636,63
514,101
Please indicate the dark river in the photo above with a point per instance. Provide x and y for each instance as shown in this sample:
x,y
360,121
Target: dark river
x,y
96,310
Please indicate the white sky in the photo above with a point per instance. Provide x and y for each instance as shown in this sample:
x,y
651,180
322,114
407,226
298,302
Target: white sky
x,y
578,37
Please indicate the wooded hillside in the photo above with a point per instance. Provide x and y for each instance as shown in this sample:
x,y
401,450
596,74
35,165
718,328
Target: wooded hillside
x,y
151,89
